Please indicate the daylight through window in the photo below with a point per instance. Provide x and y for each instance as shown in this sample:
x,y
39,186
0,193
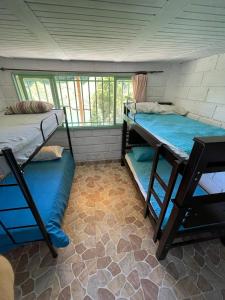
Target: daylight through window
x,y
90,100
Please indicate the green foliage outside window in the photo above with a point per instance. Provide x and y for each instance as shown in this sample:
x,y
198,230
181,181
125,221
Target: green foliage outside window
x,y
90,100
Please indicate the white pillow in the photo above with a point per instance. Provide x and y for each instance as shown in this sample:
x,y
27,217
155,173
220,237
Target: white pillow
x,y
156,108
147,107
181,111
49,153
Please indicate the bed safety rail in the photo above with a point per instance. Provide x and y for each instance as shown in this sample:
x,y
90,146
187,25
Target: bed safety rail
x,y
18,172
42,124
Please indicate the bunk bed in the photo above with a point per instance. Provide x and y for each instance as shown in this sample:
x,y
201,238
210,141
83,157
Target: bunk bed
x,y
180,209
33,195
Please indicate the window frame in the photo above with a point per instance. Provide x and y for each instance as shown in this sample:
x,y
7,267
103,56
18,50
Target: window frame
x,y
51,77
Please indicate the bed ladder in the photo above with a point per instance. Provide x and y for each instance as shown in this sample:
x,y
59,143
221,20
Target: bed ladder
x,y
207,156
21,183
168,188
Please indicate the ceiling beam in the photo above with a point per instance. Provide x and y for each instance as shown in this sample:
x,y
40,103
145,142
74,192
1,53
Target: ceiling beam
x,y
20,9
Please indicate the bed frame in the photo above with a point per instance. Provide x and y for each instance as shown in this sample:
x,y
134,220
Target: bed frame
x,y
201,217
18,170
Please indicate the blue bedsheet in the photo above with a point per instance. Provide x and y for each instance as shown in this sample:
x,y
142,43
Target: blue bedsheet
x,y
49,183
178,130
143,170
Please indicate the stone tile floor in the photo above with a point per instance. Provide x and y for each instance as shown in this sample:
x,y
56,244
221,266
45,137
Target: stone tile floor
x,y
111,254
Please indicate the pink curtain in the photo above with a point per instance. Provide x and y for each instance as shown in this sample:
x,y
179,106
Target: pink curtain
x,y
139,82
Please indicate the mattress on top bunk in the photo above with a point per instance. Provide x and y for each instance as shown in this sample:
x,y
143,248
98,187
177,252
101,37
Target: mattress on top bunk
x,y
23,135
176,131
49,183
16,131
141,172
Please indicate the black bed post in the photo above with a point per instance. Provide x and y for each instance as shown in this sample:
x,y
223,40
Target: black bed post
x,y
68,131
124,137
17,172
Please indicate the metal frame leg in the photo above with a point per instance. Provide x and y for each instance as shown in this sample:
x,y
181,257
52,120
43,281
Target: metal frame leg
x,y
123,147
68,131
9,156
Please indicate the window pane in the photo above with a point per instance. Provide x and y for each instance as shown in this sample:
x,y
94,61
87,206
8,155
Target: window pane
x,y
38,89
124,91
89,100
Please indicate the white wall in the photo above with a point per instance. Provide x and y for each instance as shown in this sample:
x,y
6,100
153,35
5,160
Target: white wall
x,y
2,100
94,144
199,86
157,84
91,144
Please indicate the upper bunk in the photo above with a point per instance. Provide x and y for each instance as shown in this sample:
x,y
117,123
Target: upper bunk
x,y
24,134
174,130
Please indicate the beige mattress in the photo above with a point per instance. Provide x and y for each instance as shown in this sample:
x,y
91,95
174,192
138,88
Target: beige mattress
x,y
22,133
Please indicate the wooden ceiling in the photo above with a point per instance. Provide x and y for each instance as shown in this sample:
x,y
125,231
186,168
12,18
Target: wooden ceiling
x,y
112,30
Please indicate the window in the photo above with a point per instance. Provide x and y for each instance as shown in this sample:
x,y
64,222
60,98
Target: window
x,y
90,100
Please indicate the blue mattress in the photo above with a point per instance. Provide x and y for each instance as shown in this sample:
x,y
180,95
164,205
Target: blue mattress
x,y
143,170
49,183
177,130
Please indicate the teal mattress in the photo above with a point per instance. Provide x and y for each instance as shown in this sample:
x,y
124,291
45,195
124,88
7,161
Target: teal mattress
x,y
49,183
176,130
141,172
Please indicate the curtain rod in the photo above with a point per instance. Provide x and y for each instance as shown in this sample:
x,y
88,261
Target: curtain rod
x,y
39,70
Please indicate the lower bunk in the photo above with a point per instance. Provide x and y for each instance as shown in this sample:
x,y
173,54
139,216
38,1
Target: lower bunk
x,y
141,171
180,210
49,183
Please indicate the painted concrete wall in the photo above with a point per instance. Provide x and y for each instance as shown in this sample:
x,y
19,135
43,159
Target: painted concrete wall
x,y
199,86
2,100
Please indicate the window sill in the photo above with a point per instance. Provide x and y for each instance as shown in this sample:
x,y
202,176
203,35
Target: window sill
x,y
73,128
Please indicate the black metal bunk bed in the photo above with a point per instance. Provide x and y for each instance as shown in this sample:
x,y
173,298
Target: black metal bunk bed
x,y
201,217
17,169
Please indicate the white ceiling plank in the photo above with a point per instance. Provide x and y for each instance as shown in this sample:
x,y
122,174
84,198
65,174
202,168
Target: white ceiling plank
x,y
103,18
89,33
203,17
93,29
95,7
213,3
25,15
128,3
197,29
170,10
206,9
109,23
